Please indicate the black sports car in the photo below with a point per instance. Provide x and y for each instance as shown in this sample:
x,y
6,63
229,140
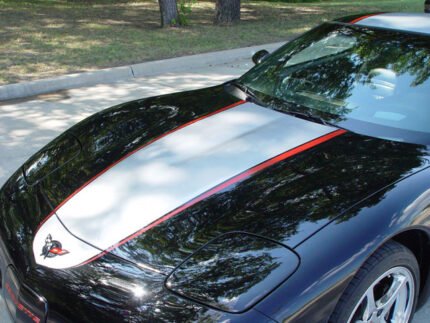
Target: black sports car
x,y
299,192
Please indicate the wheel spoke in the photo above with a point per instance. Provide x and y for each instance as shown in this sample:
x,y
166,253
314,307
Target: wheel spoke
x,y
400,306
390,297
370,305
396,303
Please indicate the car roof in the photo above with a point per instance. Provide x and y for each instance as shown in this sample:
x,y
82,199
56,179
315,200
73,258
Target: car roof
x,y
412,22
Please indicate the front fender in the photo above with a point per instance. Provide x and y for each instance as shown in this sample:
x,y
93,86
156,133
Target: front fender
x,y
331,257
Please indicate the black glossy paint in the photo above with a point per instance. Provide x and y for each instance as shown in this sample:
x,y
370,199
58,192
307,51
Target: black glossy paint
x,y
289,200
112,290
331,257
233,271
104,138
333,204
54,156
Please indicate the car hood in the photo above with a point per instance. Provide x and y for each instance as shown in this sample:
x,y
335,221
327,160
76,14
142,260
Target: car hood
x,y
157,179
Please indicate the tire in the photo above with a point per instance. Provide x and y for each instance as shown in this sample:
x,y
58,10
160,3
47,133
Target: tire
x,y
391,268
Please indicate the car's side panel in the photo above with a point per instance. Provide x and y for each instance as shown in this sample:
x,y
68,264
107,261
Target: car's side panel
x,y
331,257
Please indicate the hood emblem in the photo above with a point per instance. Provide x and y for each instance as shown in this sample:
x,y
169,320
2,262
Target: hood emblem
x,y
52,248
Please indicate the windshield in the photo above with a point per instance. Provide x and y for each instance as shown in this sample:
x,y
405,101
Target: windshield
x,y
370,81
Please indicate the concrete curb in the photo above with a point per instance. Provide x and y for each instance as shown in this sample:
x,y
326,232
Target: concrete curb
x,y
110,75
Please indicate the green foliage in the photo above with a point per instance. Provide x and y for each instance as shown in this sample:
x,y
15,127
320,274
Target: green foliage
x,y
185,9
297,1
45,38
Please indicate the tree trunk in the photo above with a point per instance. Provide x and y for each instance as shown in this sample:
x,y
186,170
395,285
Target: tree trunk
x,y
227,12
169,13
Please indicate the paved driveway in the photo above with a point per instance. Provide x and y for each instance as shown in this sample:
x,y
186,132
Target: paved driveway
x,y
27,126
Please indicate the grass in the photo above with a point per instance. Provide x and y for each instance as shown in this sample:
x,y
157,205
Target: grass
x,y
44,38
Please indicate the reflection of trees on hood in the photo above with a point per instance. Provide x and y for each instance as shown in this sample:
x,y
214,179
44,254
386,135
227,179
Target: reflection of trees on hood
x,y
317,185
102,291
226,269
242,274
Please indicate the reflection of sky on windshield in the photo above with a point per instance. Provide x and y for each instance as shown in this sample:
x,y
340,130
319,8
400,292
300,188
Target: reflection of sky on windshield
x,y
353,73
390,102
333,44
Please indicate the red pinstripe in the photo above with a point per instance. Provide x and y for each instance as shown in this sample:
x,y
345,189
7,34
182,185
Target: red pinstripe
x,y
133,152
364,17
224,185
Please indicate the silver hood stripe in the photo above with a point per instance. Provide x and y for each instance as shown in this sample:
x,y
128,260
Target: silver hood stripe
x,y
172,173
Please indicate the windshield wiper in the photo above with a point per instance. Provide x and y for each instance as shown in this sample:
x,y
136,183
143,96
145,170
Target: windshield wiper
x,y
309,117
245,92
